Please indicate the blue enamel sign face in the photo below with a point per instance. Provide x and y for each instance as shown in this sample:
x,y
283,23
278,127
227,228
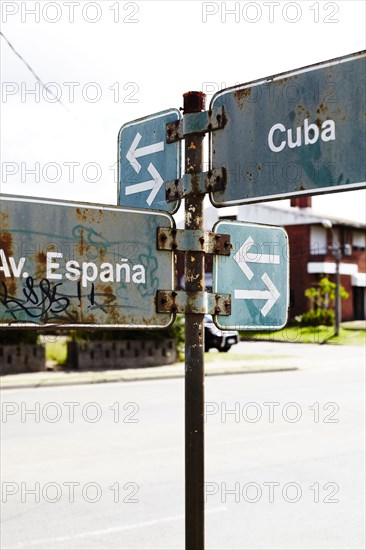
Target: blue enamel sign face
x,y
297,133
146,162
74,265
256,274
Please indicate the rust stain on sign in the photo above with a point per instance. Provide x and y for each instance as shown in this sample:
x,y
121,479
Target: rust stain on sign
x,y
322,109
7,247
241,95
41,260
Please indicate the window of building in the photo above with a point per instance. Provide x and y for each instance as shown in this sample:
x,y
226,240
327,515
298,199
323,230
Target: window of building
x,y
318,240
359,240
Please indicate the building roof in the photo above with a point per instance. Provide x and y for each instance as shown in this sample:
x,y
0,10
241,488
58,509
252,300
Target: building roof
x,y
272,215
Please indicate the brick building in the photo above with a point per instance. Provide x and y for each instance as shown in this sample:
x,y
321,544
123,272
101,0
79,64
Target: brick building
x,y
313,240
313,250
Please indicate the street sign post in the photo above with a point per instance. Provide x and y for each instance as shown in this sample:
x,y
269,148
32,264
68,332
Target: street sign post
x,y
146,161
81,265
256,274
302,132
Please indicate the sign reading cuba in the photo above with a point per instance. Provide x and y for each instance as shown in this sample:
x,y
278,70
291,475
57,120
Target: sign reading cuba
x,y
306,134
302,132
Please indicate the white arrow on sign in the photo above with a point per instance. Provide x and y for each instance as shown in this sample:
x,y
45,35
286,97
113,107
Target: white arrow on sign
x,y
154,185
271,295
133,153
243,257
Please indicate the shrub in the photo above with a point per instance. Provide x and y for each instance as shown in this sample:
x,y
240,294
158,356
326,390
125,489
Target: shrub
x,y
322,297
317,317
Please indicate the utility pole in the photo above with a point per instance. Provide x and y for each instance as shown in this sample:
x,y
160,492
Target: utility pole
x,y
337,256
337,253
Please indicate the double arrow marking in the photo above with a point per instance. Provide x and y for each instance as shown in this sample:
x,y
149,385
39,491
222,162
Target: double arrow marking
x,y
155,184
242,258
271,295
133,153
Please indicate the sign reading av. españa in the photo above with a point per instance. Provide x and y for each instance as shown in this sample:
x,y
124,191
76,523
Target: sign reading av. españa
x,y
70,264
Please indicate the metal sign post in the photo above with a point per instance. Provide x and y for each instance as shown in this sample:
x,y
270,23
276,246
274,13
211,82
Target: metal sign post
x,y
194,302
194,270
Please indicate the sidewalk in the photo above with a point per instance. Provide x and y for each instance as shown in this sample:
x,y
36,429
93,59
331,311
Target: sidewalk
x,y
217,365
354,325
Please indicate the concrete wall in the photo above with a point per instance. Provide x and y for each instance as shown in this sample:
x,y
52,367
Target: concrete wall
x,y
23,358
121,354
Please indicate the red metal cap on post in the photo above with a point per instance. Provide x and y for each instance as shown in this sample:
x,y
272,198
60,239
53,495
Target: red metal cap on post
x,y
194,102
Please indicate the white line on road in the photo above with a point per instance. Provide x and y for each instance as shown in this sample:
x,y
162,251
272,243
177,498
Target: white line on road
x,y
110,530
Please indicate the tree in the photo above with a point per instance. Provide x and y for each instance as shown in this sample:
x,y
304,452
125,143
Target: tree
x,y
323,295
322,302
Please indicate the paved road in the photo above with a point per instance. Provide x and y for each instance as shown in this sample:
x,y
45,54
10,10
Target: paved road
x,y
284,469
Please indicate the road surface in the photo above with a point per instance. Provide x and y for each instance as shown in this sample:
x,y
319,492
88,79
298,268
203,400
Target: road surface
x,y
102,466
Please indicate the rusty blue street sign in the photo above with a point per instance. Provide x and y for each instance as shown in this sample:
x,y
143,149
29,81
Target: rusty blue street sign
x,y
146,161
302,132
81,265
256,275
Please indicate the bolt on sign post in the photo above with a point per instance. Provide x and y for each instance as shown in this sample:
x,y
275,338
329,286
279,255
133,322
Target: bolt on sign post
x,y
76,265
300,132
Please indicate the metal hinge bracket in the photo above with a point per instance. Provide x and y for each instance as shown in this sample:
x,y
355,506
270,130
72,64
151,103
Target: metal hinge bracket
x,y
193,240
196,123
181,301
196,184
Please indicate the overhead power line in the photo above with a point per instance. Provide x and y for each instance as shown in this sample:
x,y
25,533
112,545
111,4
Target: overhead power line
x,y
49,90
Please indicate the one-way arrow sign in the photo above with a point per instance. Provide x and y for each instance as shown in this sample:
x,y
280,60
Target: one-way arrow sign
x,y
259,291
144,154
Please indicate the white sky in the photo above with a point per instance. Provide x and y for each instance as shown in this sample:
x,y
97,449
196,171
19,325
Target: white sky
x,y
142,67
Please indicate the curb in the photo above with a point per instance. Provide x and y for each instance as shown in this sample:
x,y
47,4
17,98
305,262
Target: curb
x,y
132,376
